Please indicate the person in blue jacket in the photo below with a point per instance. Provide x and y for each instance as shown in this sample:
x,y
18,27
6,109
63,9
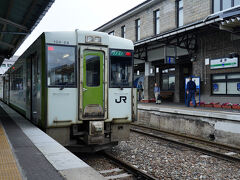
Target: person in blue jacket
x,y
191,91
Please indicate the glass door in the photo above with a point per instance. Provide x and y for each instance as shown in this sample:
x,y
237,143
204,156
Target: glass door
x,y
92,87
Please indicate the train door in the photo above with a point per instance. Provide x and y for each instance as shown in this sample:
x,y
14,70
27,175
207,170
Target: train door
x,y
92,87
29,88
7,88
35,90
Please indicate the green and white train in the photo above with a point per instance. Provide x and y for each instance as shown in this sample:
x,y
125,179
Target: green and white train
x,y
76,86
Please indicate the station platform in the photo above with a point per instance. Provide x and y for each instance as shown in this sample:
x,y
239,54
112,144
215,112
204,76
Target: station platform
x,y
179,108
26,152
220,125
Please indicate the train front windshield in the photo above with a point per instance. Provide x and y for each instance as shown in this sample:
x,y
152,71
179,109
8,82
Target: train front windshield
x,y
121,67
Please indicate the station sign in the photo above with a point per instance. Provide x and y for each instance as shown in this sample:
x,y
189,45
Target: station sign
x,y
224,63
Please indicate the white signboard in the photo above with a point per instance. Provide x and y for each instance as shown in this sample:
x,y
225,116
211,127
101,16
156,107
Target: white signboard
x,y
196,80
224,63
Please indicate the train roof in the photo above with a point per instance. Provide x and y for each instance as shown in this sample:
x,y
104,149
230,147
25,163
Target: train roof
x,y
69,37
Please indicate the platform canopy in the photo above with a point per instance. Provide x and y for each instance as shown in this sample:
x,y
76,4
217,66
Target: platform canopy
x,y
17,20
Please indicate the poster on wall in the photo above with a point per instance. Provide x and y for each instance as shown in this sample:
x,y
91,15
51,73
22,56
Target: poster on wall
x,y
224,63
195,79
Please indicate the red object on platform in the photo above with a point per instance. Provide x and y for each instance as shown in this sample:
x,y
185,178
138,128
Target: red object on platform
x,y
236,107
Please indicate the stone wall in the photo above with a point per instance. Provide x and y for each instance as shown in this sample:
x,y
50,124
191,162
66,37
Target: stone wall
x,y
197,126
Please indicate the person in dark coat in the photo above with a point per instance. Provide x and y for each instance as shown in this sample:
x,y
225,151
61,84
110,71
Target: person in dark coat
x,y
140,90
191,91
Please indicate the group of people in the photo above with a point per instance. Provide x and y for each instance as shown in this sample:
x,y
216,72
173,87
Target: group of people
x,y
191,92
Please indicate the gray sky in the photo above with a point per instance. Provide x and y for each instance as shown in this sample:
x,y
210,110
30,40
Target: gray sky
x,y
68,15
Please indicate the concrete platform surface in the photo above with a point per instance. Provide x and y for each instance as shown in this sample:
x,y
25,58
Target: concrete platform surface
x,y
226,114
37,155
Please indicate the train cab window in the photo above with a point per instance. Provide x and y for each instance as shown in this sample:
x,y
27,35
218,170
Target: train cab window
x,y
61,66
121,69
93,70
3,65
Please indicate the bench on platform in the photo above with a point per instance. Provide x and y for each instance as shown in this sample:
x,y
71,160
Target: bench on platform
x,y
166,94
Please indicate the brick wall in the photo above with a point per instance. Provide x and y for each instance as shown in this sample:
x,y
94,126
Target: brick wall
x,y
193,10
214,44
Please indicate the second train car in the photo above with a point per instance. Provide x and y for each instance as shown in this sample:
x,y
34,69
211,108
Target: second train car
x,y
77,86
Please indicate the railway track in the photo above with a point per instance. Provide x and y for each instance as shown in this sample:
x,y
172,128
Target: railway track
x,y
218,150
118,169
130,169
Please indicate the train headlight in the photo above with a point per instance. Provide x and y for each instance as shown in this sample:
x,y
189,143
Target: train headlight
x,y
96,127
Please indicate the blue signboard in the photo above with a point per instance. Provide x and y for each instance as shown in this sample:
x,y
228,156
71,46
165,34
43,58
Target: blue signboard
x,y
238,86
170,60
215,87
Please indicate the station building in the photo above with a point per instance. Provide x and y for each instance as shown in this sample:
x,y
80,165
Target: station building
x,y
178,38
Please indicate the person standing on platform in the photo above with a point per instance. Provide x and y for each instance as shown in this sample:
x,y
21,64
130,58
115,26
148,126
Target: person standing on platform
x,y
140,90
191,91
157,93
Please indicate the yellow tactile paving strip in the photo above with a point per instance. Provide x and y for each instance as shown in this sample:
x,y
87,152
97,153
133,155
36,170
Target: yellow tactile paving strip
x,y
8,165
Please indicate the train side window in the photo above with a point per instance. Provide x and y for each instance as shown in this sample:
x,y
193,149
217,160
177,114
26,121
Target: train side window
x,y
61,66
17,79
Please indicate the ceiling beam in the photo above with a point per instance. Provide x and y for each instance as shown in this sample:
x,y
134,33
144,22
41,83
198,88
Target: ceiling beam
x,y
10,4
12,32
5,21
6,44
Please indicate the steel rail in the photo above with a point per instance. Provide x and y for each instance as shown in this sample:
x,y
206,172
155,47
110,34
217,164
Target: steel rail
x,y
205,151
139,174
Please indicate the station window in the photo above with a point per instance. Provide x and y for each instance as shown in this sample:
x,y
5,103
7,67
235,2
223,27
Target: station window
x,y
61,66
156,22
220,5
137,24
168,79
226,84
123,31
180,13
